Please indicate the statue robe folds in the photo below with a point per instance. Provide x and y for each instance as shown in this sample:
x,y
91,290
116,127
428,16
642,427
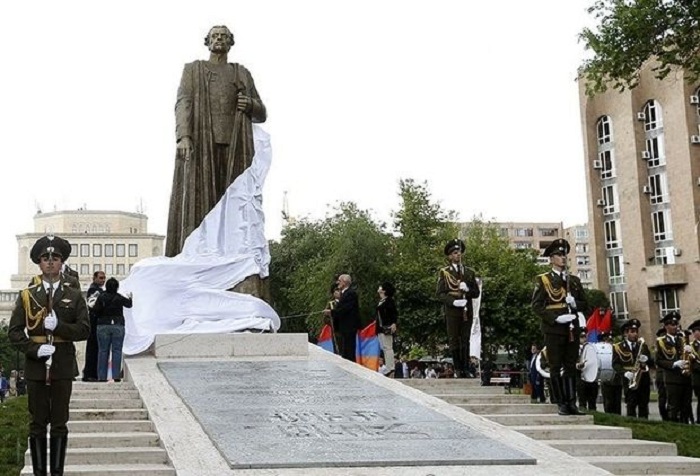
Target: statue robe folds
x,y
188,293
222,141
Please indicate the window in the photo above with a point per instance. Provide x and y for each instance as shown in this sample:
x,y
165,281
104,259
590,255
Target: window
x,y
664,255
522,245
668,300
607,163
133,250
652,113
616,270
121,250
503,232
581,247
618,301
121,269
96,268
661,225
549,231
85,269
657,155
109,269
96,250
581,233
604,128
658,187
109,251
583,260
84,250
584,274
612,237
524,232
610,197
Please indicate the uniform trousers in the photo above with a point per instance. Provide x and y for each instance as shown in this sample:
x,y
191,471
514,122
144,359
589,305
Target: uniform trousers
x,y
637,400
458,331
49,404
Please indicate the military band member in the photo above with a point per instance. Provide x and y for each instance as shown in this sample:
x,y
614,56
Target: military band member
x,y
587,384
659,381
695,365
557,298
611,389
632,360
669,356
45,329
456,288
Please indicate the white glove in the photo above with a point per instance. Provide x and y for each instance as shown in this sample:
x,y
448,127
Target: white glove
x,y
459,302
679,364
687,348
565,318
46,350
571,302
463,286
93,299
51,321
629,375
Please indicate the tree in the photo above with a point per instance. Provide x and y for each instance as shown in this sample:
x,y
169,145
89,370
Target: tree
x,y
422,228
596,298
630,33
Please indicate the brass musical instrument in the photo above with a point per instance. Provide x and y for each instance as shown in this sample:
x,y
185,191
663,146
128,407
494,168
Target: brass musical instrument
x,y
639,366
686,358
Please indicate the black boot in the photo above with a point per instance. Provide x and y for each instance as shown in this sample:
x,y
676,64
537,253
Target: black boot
x,y
37,448
570,396
58,454
558,394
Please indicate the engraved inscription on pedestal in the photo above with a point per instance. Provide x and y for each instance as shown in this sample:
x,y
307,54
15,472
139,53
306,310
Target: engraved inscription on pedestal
x,y
314,414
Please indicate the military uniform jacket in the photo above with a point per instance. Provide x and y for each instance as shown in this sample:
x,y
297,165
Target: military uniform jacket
x,y
448,290
624,359
28,319
549,301
668,350
695,363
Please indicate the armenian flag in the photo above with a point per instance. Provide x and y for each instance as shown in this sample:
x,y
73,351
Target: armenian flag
x,y
367,347
325,338
599,321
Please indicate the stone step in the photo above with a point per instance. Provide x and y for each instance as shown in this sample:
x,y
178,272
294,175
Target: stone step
x,y
574,432
677,465
463,390
510,409
116,456
109,426
113,440
441,382
104,386
104,394
629,447
540,419
457,399
112,470
112,404
108,414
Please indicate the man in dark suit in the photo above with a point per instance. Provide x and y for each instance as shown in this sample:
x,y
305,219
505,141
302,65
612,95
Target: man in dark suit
x,y
456,288
557,298
346,318
48,317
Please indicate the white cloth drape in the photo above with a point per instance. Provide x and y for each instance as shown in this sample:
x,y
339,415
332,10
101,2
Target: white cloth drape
x,y
475,335
187,293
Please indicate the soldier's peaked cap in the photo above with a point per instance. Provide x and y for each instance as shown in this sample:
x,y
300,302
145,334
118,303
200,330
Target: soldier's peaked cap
x,y
630,324
695,325
673,317
455,244
558,246
50,244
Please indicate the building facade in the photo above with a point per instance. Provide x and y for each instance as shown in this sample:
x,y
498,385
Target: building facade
x,y
109,241
642,153
580,262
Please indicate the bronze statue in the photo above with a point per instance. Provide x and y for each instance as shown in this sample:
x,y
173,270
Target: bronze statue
x,y
216,105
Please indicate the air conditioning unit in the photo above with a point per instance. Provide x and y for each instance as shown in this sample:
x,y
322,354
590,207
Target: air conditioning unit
x,y
600,202
641,116
597,164
646,155
677,251
646,189
694,99
695,139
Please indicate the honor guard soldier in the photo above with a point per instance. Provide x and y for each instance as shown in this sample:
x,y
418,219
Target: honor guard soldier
x,y
695,365
456,288
674,358
48,317
631,360
557,298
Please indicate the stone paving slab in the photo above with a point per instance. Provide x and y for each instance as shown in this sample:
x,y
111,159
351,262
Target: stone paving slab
x,y
306,414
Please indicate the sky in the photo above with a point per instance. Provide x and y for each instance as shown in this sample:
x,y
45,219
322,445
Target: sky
x,y
476,99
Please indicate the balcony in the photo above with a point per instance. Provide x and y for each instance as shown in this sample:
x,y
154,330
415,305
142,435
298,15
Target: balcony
x,y
666,275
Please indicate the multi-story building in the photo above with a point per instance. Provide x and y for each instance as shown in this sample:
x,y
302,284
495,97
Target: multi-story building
x,y
642,153
109,241
580,262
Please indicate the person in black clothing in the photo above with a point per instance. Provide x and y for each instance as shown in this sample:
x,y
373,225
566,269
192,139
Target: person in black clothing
x,y
386,323
109,309
91,347
346,318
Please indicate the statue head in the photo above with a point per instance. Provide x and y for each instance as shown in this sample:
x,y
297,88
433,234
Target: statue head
x,y
219,39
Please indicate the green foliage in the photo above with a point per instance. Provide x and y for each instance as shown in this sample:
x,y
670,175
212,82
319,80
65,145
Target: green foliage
x,y
10,357
686,437
629,33
14,431
596,298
